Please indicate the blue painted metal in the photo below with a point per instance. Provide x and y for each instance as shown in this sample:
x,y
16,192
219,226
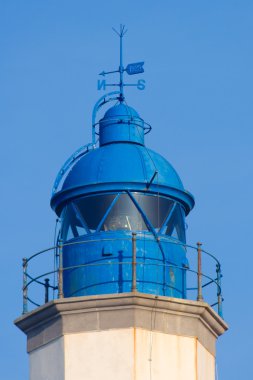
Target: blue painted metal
x,y
101,102
80,217
135,68
211,281
152,276
131,69
146,219
121,67
164,226
121,165
87,147
121,124
107,213
70,162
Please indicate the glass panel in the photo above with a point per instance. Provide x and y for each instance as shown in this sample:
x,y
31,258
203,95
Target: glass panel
x,y
156,208
84,215
124,216
176,225
72,226
93,208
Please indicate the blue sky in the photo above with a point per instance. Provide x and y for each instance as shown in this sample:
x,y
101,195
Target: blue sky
x,y
198,68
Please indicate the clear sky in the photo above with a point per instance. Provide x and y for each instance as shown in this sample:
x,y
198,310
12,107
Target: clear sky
x,y
198,67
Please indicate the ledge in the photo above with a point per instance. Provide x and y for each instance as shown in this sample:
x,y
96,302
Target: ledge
x,y
124,310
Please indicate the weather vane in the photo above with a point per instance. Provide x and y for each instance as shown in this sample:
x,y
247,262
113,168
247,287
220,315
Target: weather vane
x,y
131,69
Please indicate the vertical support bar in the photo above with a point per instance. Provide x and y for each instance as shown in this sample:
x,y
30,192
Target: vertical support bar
x,y
25,289
200,296
219,295
46,289
121,69
134,288
60,272
93,134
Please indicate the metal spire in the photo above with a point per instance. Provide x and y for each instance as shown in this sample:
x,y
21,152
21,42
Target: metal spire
x,y
121,34
131,69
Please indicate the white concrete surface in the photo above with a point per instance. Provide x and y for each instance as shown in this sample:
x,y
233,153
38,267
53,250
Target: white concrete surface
x,y
47,362
122,354
160,356
205,364
100,355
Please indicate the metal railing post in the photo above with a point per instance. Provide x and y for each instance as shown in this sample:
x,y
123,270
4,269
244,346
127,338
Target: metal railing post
x,y
46,289
219,295
25,289
134,289
200,296
60,272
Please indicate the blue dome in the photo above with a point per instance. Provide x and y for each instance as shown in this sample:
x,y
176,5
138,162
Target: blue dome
x,y
121,109
122,166
121,123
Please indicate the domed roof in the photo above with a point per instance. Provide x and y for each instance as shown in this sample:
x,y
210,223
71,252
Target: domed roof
x,y
122,166
121,109
121,123
122,163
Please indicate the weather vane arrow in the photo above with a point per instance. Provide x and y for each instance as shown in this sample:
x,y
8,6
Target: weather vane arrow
x,y
131,69
103,73
135,68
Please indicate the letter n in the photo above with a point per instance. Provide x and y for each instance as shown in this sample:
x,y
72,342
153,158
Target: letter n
x,y
101,84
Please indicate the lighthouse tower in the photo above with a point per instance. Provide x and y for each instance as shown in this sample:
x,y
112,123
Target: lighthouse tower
x,y
122,309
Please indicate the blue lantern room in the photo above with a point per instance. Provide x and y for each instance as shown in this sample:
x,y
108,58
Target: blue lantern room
x,y
111,193
122,207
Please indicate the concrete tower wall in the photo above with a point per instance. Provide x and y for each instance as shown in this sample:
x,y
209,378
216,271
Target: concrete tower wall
x,y
129,336
125,354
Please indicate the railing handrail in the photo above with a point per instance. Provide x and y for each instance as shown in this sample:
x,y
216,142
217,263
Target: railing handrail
x,y
119,263
138,237
28,279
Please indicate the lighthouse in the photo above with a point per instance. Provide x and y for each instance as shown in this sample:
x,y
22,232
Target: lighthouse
x,y
121,305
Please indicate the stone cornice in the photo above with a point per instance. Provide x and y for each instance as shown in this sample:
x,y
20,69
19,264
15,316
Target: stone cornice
x,y
123,310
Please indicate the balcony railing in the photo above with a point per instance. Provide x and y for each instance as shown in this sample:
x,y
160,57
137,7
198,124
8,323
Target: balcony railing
x,y
202,285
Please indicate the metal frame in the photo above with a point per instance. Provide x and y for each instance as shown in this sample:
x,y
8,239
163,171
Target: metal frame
x,y
76,209
135,237
101,102
80,152
143,214
169,216
107,212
